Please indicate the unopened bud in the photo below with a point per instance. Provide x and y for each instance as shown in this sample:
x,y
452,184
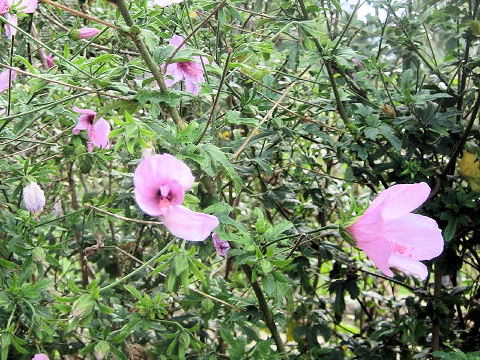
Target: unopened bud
x,y
84,33
33,198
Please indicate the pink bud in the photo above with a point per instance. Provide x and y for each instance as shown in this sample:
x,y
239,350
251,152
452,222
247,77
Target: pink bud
x,y
84,33
49,61
222,246
33,198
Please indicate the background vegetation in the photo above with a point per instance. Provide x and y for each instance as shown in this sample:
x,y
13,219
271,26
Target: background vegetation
x,y
305,114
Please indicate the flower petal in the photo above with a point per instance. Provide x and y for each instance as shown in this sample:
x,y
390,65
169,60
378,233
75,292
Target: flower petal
x,y
156,171
27,6
10,30
371,240
84,111
189,225
409,266
4,78
192,86
5,6
40,357
175,73
33,198
222,246
414,236
176,41
399,200
102,129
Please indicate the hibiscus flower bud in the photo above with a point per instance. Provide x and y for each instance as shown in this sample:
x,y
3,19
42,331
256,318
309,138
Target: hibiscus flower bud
x,y
33,198
222,246
83,33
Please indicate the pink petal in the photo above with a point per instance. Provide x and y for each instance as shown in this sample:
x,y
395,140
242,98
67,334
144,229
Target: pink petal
x,y
49,61
414,236
87,32
176,41
374,245
163,168
40,357
102,129
10,30
189,225
409,266
84,111
161,173
191,86
399,200
27,6
164,3
84,122
4,77
175,72
5,6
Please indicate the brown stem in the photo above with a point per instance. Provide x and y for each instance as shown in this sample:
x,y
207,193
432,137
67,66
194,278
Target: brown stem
x,y
210,118
437,293
267,314
142,49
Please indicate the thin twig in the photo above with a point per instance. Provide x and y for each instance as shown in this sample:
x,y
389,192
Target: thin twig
x,y
120,217
191,288
210,118
63,83
79,13
265,118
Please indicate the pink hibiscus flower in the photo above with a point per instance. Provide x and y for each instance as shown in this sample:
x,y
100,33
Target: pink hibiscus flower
x,y
222,246
160,184
190,71
4,77
164,3
97,132
21,6
40,357
392,236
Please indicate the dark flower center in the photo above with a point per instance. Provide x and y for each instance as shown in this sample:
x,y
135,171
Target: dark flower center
x,y
190,68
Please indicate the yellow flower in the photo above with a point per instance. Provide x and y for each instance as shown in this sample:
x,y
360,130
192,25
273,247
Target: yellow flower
x,y
291,326
470,169
225,135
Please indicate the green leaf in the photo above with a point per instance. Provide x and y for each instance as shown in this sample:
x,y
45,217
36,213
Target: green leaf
x,y
180,263
275,232
218,156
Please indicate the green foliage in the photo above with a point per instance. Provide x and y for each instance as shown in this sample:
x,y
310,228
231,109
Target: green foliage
x,y
387,98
